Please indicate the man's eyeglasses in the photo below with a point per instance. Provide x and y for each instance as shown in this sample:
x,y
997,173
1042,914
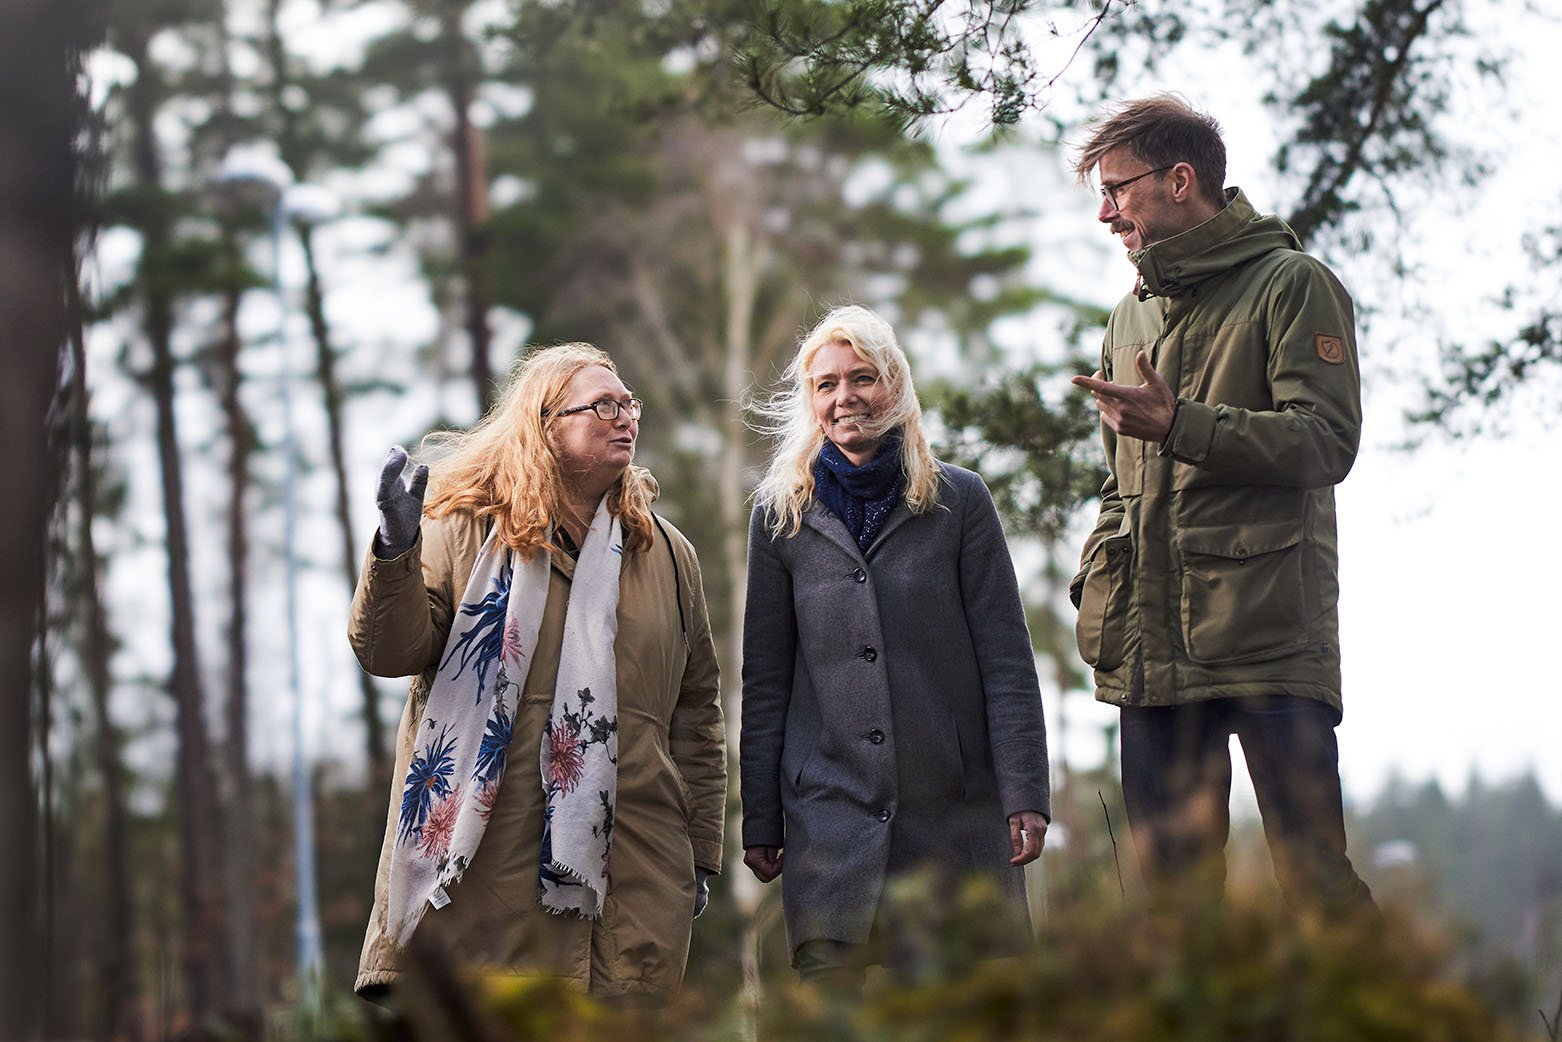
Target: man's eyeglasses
x,y
608,408
1109,192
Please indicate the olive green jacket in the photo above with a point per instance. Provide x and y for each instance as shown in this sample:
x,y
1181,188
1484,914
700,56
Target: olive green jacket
x,y
1212,570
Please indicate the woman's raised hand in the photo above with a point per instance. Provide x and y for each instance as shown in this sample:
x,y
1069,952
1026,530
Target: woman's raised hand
x,y
401,506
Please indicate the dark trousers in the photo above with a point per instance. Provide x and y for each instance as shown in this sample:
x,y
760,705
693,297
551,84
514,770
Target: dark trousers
x,y
834,967
1177,789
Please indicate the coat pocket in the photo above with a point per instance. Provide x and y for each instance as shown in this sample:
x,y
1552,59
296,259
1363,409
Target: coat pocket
x,y
1242,593
1102,627
798,769
977,779
668,769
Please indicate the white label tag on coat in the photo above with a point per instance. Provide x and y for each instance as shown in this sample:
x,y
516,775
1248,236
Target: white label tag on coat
x,y
439,898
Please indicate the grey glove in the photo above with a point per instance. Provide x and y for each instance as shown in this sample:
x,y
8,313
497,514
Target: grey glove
x,y
401,506
701,890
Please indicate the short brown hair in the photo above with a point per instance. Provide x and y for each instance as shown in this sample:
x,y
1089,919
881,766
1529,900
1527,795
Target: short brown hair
x,y
1162,130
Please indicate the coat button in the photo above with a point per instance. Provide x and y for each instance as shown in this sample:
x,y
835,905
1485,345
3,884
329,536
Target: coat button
x,y
876,736
869,654
883,815
859,576
1241,552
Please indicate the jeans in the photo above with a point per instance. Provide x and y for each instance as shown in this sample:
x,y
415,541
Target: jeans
x,y
1176,764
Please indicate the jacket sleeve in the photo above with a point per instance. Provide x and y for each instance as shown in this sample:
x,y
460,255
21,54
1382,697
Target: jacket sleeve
x,y
1310,436
1109,520
401,609
990,599
697,735
769,657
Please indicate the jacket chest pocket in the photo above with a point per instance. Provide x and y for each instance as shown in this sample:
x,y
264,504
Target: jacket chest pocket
x,y
1129,462
1242,592
1102,627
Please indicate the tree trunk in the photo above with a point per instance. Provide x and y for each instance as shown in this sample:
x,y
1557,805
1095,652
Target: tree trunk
x,y
39,56
471,199
379,768
203,924
242,993
742,262
241,996
52,865
375,742
115,966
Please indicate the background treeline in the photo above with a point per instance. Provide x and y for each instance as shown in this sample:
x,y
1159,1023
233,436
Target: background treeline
x,y
502,173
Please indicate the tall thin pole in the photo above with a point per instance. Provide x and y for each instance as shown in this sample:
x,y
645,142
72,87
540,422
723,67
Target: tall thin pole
x,y
310,959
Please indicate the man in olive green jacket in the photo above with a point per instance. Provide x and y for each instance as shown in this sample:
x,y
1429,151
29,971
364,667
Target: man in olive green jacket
x,y
1229,395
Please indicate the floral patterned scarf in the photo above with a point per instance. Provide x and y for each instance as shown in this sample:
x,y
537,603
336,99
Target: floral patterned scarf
x,y
460,754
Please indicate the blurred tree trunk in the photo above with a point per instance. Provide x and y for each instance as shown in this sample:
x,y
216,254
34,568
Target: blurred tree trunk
x,y
446,213
241,995
204,957
55,858
293,140
242,992
116,973
744,260
41,42
379,765
466,142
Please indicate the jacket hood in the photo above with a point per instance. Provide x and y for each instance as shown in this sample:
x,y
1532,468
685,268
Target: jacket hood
x,y
1232,237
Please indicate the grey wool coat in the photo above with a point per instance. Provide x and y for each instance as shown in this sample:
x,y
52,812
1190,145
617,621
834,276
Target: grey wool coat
x,y
891,714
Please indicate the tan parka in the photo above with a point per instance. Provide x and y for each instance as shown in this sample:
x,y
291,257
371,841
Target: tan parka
x,y
671,772
1213,570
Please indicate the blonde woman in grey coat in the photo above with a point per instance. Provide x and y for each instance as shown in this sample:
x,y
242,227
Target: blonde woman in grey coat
x,y
891,714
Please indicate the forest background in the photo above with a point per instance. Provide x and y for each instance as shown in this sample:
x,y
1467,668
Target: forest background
x,y
377,205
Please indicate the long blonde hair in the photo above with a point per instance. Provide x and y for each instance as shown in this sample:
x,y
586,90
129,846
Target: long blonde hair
x,y
506,467
787,415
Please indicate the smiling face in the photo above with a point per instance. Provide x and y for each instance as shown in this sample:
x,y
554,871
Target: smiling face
x,y
593,452
848,395
1153,207
1144,212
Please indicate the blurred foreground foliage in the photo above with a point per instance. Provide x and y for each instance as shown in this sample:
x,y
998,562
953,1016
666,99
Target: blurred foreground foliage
x,y
1100,971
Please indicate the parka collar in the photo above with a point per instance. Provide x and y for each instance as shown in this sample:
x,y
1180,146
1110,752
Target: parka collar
x,y
1235,235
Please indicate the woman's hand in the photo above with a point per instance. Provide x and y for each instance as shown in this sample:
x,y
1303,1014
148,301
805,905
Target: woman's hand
x,y
764,862
701,889
401,506
1027,829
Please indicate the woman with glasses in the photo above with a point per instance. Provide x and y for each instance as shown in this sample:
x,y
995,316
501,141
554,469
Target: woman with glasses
x,y
543,611
891,715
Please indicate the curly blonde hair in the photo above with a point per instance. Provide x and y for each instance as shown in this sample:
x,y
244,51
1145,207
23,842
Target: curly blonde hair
x,y
506,467
787,415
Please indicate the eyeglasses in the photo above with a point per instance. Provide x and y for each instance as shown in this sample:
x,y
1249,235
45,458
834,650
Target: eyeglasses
x,y
1109,192
608,408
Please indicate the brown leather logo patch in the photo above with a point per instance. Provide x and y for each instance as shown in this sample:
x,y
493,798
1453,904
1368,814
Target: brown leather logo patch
x,y
1330,348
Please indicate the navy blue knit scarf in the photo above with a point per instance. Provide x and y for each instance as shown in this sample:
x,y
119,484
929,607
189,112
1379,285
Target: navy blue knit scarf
x,y
862,497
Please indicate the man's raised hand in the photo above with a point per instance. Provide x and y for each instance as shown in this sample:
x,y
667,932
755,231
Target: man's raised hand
x,y
1144,411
